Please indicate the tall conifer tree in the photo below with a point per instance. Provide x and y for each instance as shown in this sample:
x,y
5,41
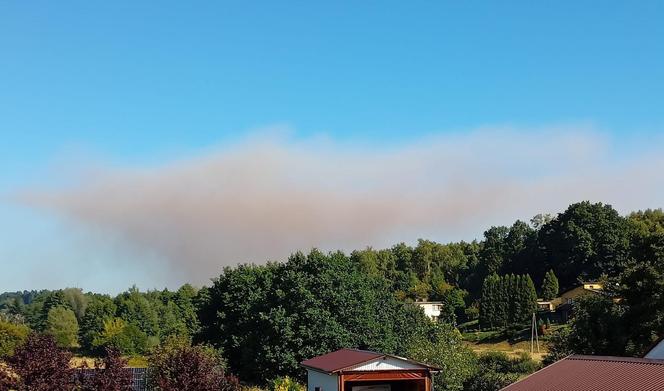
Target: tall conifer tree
x,y
528,298
489,302
550,286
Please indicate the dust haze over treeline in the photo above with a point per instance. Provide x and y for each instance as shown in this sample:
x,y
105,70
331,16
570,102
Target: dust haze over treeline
x,y
267,318
261,199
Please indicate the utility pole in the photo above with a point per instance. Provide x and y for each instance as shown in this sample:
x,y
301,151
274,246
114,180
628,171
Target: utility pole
x,y
533,335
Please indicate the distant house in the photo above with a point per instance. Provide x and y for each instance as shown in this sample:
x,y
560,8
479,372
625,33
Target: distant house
x,y
549,305
596,373
560,308
362,370
432,309
587,288
569,296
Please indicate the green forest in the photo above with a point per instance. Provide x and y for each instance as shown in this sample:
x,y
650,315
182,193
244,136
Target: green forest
x,y
265,319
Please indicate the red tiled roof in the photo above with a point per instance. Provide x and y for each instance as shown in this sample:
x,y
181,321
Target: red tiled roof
x,y
343,358
596,373
346,358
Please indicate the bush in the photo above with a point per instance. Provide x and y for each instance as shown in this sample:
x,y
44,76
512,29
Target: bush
x,y
11,336
502,363
490,381
178,366
496,370
38,365
7,379
287,384
472,312
559,346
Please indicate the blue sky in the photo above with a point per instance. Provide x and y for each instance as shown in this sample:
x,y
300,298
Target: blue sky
x,y
135,84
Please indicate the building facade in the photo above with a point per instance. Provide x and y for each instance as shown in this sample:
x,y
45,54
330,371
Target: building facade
x,y
432,309
361,370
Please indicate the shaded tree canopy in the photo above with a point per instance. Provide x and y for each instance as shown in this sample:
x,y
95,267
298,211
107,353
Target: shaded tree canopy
x,y
586,241
269,318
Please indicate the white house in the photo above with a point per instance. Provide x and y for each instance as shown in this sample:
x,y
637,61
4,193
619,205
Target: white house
x,y
362,370
432,309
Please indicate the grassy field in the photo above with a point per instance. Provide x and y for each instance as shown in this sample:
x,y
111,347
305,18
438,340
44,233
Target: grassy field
x,y
512,343
509,348
132,362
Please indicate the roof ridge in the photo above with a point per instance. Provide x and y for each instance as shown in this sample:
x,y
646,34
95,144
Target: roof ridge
x,y
630,360
363,351
347,358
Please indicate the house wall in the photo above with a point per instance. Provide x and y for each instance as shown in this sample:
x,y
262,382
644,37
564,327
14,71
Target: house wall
x,y
323,380
431,310
657,352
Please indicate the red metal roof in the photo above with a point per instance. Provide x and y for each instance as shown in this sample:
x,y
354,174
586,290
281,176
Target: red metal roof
x,y
343,358
346,358
596,373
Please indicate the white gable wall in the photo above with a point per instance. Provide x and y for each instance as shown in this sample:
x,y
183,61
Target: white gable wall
x,y
657,352
385,364
323,380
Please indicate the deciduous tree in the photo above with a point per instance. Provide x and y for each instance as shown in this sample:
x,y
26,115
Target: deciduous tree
x,y
442,346
587,240
62,325
11,336
269,318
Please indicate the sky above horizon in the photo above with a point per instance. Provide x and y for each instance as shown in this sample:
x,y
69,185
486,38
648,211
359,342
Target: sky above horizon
x,y
152,143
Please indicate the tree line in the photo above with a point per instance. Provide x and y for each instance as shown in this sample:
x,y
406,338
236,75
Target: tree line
x,y
267,318
132,322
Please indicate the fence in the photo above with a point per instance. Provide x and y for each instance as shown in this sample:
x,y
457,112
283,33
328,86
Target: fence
x,y
139,377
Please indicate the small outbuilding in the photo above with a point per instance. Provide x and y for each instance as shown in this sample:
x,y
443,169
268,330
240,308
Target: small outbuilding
x,y
362,370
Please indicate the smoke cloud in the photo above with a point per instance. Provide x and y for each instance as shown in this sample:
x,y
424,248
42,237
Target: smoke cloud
x,y
266,197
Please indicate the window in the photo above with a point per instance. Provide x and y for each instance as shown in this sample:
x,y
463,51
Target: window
x,y
317,389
